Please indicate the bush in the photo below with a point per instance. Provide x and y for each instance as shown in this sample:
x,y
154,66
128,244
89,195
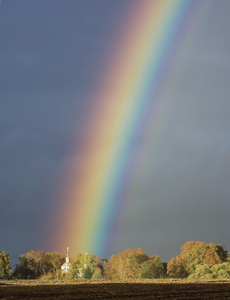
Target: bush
x,y
218,271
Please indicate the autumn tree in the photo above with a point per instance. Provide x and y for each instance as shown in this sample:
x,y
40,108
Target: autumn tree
x,y
195,253
176,268
30,265
5,270
125,265
134,264
33,265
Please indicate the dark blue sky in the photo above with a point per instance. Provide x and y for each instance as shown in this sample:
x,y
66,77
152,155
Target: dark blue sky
x,y
51,54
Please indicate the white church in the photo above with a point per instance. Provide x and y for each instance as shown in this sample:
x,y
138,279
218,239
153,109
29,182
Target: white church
x,y
66,266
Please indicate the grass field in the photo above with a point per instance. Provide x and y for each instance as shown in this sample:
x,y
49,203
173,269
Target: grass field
x,y
143,289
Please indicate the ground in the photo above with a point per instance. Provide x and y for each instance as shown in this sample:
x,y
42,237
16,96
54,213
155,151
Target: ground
x,y
145,289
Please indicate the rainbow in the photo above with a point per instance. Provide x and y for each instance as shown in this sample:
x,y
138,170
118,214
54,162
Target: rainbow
x,y
126,103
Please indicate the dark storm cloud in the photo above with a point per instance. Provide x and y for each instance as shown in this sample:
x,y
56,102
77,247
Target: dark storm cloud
x,y
184,194
50,59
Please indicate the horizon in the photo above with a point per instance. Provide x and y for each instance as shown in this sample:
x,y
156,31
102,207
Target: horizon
x,y
67,254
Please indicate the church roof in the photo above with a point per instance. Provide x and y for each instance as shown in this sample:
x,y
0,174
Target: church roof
x,y
66,263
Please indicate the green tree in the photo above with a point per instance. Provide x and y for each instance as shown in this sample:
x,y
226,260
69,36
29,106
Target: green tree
x,y
165,265
52,263
84,265
103,266
5,270
152,268
97,275
22,269
218,271
29,266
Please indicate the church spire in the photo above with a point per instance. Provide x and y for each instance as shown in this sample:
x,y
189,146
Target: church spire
x,y
67,257
66,266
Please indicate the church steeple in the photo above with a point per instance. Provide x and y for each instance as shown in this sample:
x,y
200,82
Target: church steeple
x,y
67,257
66,266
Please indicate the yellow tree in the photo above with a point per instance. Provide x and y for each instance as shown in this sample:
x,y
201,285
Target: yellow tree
x,y
126,265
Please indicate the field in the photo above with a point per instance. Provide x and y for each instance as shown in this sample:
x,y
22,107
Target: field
x,y
144,289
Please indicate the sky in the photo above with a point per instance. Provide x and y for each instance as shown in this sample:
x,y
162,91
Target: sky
x,y
52,55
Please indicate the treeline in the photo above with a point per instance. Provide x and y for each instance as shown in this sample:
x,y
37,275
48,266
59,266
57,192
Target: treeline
x,y
196,260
